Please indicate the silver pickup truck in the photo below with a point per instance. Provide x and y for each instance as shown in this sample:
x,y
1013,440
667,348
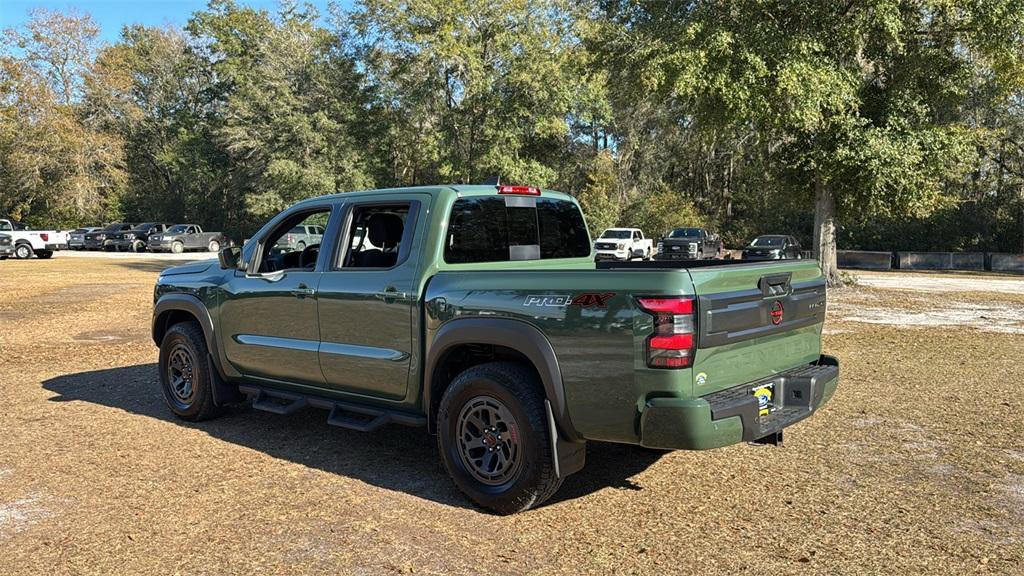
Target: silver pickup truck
x,y
182,237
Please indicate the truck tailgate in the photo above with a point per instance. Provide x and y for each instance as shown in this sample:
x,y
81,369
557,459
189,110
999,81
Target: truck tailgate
x,y
755,320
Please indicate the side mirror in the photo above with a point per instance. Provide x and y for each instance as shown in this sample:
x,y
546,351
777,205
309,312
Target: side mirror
x,y
229,257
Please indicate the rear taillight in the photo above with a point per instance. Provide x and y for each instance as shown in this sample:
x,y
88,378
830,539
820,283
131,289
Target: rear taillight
x,y
45,237
523,190
674,342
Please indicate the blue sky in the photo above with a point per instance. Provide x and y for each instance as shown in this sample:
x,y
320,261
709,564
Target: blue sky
x,y
111,15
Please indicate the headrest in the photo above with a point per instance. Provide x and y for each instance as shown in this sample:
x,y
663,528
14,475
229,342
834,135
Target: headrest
x,y
385,229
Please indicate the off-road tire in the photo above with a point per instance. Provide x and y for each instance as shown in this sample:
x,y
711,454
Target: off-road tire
x,y
177,247
300,247
23,251
516,389
44,254
214,246
188,337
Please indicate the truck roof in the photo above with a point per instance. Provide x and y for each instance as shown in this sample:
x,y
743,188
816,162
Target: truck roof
x,y
456,189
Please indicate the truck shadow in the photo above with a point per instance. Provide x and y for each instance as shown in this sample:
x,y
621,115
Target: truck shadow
x,y
394,458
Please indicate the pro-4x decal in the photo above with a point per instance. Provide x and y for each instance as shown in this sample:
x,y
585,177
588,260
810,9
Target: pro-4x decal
x,y
585,300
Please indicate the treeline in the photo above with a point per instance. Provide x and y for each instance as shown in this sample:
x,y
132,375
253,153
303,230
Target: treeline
x,y
888,124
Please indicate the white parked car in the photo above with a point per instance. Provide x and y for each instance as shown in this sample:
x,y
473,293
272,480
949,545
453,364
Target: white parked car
x,y
623,244
42,243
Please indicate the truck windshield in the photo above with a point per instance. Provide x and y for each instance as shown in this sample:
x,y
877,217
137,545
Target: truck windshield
x,y
494,229
685,233
179,229
762,241
616,234
144,227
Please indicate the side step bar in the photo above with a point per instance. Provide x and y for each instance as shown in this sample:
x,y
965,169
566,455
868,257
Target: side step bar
x,y
349,415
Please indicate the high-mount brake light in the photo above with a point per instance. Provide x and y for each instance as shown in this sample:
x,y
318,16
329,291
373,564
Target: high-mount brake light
x,y
673,343
521,190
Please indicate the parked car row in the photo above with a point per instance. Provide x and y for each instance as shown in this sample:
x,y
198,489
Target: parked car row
x,y
151,236
19,241
625,244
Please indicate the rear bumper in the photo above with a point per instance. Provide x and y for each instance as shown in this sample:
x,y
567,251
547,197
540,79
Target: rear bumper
x,y
731,416
53,247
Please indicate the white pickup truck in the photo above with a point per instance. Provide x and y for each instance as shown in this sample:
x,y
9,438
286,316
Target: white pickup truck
x,y
623,244
42,243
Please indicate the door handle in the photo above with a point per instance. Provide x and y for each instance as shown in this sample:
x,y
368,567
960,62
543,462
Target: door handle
x,y
390,294
301,291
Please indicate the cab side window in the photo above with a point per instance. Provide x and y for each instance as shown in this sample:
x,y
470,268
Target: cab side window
x,y
375,236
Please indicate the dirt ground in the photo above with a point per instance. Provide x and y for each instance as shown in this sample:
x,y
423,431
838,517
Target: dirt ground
x,y
916,466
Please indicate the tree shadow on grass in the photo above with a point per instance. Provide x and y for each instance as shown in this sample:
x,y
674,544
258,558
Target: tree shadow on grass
x,y
394,457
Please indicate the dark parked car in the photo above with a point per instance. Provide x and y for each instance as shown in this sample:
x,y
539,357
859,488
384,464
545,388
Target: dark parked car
x,y
773,247
76,238
184,237
689,244
6,247
136,239
104,239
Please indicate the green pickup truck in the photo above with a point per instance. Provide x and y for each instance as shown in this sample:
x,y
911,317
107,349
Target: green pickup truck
x,y
478,312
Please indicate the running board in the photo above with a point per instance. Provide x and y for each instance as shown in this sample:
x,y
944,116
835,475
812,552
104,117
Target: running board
x,y
353,416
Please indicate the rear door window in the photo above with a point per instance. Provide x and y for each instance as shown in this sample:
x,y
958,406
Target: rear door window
x,y
490,229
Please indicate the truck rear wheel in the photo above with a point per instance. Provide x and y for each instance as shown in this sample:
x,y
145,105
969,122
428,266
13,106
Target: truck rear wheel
x,y
493,437
185,378
44,254
22,251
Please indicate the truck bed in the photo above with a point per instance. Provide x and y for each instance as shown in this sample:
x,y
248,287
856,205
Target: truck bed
x,y
598,330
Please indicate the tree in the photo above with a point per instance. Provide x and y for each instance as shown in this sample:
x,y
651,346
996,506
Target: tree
x,y
470,88
599,198
661,210
58,163
859,99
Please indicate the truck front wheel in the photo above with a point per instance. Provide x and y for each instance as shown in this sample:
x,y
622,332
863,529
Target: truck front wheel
x,y
493,437
185,378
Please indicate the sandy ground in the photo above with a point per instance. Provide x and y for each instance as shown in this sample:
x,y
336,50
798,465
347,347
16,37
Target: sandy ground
x,y
916,466
938,282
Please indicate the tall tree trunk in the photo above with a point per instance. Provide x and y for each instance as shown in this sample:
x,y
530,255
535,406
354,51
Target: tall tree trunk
x,y
825,229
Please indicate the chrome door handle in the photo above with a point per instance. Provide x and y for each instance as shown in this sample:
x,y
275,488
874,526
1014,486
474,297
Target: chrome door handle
x,y
301,291
390,294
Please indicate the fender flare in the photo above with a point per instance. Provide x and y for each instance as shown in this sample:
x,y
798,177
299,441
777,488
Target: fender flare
x,y
515,334
223,392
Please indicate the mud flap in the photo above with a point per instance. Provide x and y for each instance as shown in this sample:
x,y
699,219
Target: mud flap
x,y
569,456
223,393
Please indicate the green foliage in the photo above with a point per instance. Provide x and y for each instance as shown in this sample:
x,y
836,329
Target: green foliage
x,y
654,114
661,210
599,198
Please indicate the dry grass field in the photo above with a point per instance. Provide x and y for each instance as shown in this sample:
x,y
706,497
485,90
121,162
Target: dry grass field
x,y
915,467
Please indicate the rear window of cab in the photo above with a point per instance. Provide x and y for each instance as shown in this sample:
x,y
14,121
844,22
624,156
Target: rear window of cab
x,y
514,228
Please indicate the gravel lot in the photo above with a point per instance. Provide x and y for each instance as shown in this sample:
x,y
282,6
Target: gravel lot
x,y
916,466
